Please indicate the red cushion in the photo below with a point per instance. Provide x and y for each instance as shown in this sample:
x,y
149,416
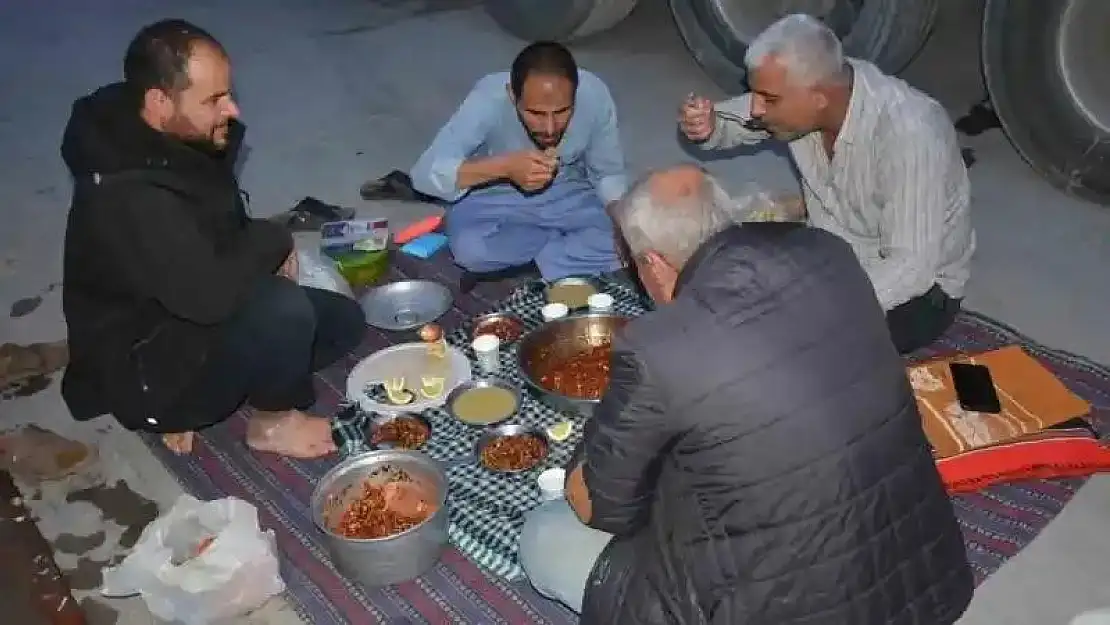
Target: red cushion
x,y
1052,453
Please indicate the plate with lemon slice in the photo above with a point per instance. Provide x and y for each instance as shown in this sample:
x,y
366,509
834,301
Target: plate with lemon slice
x,y
410,377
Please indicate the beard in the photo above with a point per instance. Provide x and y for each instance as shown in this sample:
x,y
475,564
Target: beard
x,y
212,141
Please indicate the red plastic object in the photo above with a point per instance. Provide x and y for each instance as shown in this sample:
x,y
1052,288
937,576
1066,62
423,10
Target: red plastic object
x,y
418,229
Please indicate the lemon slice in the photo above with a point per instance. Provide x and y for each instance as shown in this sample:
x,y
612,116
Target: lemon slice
x,y
560,431
395,391
431,387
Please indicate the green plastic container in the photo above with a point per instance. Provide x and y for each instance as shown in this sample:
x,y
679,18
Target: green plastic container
x,y
362,269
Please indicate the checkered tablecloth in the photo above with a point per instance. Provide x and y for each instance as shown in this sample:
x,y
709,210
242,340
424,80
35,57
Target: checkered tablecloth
x,y
487,509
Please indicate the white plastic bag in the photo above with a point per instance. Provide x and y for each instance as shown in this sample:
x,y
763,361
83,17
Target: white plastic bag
x,y
316,271
200,563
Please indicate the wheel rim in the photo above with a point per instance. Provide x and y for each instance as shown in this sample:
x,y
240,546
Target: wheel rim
x,y
745,19
1082,48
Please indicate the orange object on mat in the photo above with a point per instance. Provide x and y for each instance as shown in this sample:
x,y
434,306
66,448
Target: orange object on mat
x,y
418,229
1032,399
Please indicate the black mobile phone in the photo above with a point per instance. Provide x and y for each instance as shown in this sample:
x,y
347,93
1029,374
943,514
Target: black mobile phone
x,y
975,387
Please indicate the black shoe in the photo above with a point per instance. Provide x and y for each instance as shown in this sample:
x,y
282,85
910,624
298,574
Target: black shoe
x,y
470,279
396,185
310,213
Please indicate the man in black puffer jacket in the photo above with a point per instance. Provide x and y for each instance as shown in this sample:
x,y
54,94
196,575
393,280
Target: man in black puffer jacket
x,y
179,305
758,458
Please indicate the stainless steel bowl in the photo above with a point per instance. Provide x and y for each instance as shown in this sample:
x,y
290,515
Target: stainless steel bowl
x,y
406,304
393,559
561,339
583,280
498,316
496,432
381,420
449,405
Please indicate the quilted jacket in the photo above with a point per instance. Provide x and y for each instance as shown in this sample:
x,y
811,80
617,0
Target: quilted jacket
x,y
759,456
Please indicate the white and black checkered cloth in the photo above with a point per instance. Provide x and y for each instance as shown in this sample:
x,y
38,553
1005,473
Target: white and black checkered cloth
x,y
487,509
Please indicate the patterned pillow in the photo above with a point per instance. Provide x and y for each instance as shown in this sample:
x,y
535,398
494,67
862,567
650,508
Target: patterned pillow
x,y
1069,449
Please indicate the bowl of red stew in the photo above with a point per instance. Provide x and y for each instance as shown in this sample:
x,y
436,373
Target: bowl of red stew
x,y
565,362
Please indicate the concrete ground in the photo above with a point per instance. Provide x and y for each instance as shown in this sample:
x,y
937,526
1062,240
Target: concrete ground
x,y
337,90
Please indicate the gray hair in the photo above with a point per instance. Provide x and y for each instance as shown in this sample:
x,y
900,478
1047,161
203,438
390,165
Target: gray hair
x,y
676,227
810,51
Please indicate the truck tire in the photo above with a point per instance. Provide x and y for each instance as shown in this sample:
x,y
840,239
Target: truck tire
x,y
1045,69
888,33
557,20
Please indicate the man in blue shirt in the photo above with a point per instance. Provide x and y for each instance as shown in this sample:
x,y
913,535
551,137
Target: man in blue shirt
x,y
527,165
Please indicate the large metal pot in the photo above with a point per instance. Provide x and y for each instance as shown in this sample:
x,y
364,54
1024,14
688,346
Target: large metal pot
x,y
393,559
561,339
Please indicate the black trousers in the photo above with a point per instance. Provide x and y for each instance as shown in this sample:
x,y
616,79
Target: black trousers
x,y
921,320
267,353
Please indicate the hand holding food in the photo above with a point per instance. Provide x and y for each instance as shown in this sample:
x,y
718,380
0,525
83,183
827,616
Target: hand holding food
x,y
531,170
697,118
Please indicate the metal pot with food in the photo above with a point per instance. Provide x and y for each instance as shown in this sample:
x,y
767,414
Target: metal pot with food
x,y
566,361
383,515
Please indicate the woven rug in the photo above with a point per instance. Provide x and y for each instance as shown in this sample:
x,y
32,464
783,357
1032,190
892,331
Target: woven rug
x,y
997,523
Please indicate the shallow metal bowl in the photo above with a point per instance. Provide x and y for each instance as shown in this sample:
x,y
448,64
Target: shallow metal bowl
x,y
449,405
561,339
406,304
583,280
497,316
381,420
496,432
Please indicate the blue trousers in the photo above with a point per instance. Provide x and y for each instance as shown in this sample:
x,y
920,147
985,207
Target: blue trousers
x,y
564,230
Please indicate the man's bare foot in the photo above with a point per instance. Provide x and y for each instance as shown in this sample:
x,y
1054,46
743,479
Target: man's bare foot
x,y
290,433
179,442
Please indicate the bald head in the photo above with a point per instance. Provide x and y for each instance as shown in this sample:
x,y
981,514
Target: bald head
x,y
671,212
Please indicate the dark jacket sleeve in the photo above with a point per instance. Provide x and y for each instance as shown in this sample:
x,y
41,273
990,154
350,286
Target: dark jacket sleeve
x,y
168,259
622,446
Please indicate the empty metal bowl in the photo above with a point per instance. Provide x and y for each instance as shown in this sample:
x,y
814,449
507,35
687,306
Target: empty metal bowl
x,y
560,340
449,405
499,431
380,420
406,304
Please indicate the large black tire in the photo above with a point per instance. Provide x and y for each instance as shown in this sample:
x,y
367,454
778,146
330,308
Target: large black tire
x,y
1024,73
557,20
888,33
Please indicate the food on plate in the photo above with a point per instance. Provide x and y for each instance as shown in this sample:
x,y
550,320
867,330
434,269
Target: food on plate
x,y
431,387
401,433
383,510
396,392
483,405
572,294
584,375
507,329
430,333
560,431
516,452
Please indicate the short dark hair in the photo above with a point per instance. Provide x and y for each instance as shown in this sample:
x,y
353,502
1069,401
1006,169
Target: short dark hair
x,y
543,57
158,56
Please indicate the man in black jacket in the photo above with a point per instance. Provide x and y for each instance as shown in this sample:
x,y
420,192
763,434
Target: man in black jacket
x,y
179,305
758,457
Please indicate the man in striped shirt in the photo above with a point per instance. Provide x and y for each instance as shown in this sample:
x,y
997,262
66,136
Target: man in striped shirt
x,y
879,161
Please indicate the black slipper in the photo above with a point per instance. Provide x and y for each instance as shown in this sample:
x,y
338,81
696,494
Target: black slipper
x,y
310,213
396,185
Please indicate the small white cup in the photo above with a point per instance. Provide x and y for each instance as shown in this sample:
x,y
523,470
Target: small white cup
x,y
600,302
486,352
551,484
554,310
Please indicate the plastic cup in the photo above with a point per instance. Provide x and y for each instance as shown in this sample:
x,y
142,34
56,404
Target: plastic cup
x,y
551,484
553,311
600,302
487,352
